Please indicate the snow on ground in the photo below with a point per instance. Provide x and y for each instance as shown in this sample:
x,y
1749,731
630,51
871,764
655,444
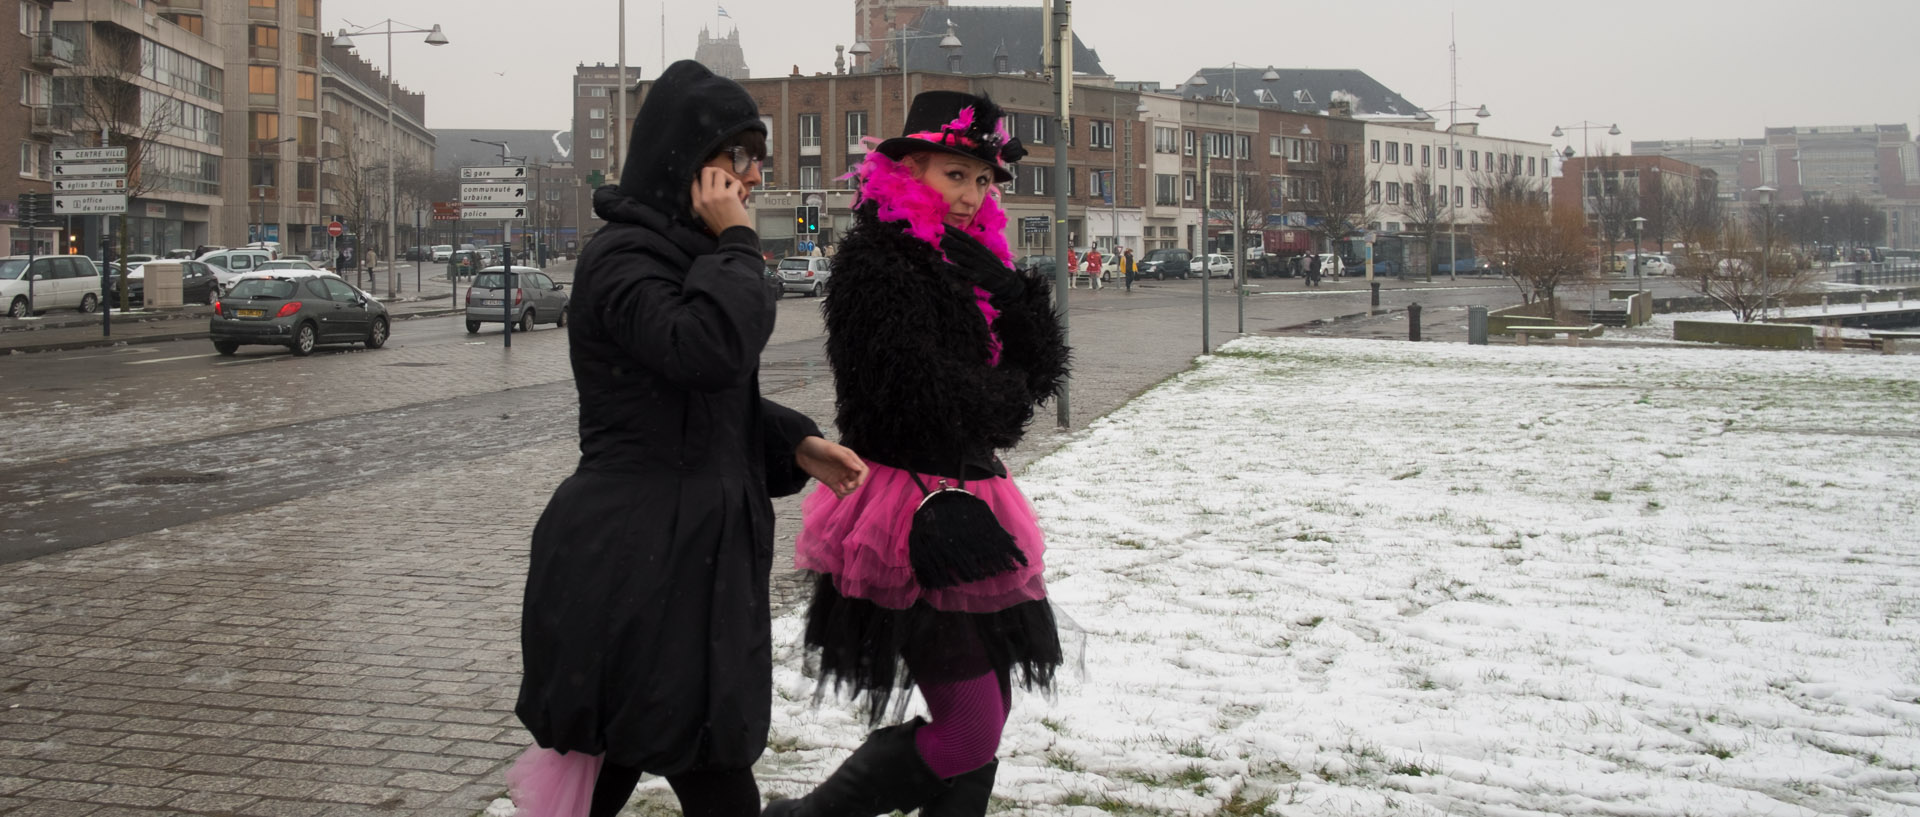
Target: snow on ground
x,y
1844,302
1358,578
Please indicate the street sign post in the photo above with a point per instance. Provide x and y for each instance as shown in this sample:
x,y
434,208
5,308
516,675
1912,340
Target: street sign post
x,y
66,185
509,173
493,213
89,154
89,168
99,204
336,229
492,194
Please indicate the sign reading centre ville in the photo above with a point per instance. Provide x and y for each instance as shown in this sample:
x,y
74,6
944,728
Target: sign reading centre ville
x,y
89,154
492,194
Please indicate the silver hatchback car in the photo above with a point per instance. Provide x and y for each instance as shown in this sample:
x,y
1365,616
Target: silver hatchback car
x,y
537,298
806,273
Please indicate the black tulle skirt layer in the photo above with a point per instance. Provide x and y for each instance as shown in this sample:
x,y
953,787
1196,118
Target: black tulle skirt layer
x,y
868,650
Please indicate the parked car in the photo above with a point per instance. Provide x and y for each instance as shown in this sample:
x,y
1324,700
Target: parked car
x,y
1164,263
186,254
1042,265
536,298
231,264
806,273
442,252
1219,265
466,261
198,284
287,263
298,309
1653,264
1462,264
58,282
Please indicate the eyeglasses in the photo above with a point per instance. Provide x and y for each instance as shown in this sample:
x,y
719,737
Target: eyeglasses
x,y
743,160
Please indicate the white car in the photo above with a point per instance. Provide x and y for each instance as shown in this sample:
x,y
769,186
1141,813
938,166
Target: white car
x,y
442,252
1219,265
1654,264
57,281
805,273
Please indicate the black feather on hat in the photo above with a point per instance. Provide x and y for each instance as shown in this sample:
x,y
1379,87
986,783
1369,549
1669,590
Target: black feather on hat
x,y
961,124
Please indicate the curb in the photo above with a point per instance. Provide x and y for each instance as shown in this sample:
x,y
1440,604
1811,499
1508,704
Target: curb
x,y
160,337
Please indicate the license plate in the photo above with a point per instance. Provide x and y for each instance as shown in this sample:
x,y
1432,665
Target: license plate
x,y
251,313
490,302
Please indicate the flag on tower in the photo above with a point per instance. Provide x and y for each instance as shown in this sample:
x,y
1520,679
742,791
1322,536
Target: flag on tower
x,y
723,12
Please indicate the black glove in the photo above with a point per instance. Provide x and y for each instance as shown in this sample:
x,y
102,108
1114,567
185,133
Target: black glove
x,y
971,260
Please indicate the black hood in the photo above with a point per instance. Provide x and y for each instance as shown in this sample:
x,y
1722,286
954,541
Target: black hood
x,y
687,115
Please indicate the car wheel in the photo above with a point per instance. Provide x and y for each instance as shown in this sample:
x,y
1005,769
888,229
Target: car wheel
x,y
305,339
89,303
473,327
526,321
377,335
226,347
562,321
18,309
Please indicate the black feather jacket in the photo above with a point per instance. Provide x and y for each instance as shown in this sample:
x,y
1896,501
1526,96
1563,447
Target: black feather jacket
x,y
910,350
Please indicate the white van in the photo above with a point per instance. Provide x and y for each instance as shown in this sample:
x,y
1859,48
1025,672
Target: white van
x,y
230,264
57,282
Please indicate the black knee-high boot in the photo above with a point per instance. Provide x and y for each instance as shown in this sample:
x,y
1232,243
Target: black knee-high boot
x,y
884,775
967,797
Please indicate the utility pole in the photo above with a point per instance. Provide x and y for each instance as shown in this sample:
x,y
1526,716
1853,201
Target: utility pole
x,y
1060,12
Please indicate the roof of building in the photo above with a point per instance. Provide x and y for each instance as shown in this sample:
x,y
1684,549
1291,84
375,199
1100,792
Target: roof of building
x,y
987,32
456,148
1301,90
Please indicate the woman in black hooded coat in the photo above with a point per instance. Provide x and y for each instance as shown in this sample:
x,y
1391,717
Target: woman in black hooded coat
x,y
645,631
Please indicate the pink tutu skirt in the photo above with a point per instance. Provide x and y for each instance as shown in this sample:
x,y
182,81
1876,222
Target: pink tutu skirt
x,y
546,783
861,541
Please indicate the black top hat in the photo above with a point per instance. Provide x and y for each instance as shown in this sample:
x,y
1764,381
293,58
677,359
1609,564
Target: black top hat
x,y
961,124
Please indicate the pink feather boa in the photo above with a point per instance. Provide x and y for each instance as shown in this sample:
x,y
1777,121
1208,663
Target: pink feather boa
x,y
902,197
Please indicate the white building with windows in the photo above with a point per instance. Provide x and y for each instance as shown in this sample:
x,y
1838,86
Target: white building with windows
x,y
1401,157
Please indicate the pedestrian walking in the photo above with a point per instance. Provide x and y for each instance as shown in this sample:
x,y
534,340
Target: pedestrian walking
x,y
1073,269
1095,278
645,627
1128,267
930,575
1313,269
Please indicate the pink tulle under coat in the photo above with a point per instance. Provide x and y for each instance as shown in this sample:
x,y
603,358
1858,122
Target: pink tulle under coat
x,y
862,541
546,783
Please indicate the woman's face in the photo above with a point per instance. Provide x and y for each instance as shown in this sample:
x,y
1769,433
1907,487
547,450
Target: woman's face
x,y
749,178
961,181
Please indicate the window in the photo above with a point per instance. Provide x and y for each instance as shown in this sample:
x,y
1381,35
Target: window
x,y
809,131
263,126
1503,163
596,113
597,153
1100,134
1189,185
33,160
1443,158
856,128
1408,152
1039,179
306,86
1457,195
1426,155
265,43
1457,163
1476,197
597,133
1166,140
193,23
1073,182
1165,189
766,170
1373,192
1475,156
1531,168
1373,150
1069,141
1039,129
1191,139
1246,147
1393,153
264,4
597,90
263,79
1393,193
309,8
809,177
1489,161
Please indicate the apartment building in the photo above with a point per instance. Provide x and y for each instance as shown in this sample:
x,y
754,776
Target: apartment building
x,y
33,53
1410,164
157,86
272,128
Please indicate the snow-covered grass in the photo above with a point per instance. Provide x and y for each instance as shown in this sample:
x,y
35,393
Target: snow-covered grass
x,y
1360,578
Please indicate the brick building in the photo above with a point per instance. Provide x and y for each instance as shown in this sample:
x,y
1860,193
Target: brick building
x,y
1612,190
33,53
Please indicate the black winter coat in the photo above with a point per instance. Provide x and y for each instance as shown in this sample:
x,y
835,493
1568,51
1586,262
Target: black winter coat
x,y
645,632
910,353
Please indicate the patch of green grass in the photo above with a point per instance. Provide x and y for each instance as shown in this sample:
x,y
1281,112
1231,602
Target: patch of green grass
x,y
1192,775
1408,475
1101,802
1190,748
1239,806
1312,536
1052,725
1133,544
1064,762
1718,750
1411,770
1603,496
1313,622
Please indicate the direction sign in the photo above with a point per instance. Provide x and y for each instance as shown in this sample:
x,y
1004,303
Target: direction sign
x,y
88,154
89,184
89,205
495,213
508,173
101,169
492,193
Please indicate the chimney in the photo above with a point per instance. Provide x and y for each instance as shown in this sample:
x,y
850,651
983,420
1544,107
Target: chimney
x,y
1342,108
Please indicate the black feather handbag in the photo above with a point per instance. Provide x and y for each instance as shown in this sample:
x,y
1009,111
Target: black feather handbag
x,y
955,538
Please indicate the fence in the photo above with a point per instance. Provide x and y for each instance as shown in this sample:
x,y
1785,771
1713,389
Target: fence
x,y
1883,273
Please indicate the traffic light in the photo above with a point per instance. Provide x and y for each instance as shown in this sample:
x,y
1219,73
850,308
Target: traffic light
x,y
800,219
812,219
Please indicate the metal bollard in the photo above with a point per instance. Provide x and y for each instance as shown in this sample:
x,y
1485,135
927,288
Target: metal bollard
x,y
1823,304
1477,325
1863,302
1376,292
1859,277
1413,322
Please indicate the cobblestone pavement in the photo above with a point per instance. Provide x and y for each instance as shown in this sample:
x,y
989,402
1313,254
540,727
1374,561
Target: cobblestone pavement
x,y
354,651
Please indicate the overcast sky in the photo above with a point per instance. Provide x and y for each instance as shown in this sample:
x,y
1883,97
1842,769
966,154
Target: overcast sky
x,y
1661,69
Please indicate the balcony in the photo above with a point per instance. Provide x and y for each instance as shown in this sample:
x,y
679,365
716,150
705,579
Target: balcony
x,y
49,121
54,51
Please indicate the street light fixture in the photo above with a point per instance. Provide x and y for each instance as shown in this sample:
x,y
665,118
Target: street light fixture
x,y
345,39
1453,166
1583,126
1239,207
949,42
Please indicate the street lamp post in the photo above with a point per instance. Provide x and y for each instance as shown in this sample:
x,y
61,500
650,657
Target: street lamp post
x,y
1239,207
948,42
1638,224
1583,126
1446,199
434,37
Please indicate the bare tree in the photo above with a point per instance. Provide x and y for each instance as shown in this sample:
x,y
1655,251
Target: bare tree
x,y
1423,208
1612,202
109,102
1344,203
1536,246
1744,265
353,185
